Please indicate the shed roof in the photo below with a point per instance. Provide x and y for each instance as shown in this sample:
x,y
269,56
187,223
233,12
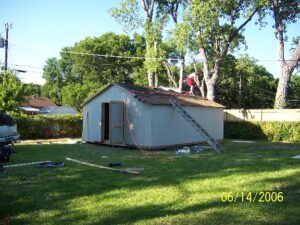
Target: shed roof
x,y
37,102
158,96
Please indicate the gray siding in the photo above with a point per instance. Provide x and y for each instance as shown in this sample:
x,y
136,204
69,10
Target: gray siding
x,y
170,128
139,117
151,125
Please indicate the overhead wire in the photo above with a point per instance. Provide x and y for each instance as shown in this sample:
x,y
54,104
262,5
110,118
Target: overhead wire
x,y
133,57
17,67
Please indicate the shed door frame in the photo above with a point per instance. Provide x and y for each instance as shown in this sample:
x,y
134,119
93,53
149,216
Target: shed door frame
x,y
104,122
111,123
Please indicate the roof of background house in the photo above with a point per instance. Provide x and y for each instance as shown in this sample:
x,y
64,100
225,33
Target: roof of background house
x,y
37,102
158,96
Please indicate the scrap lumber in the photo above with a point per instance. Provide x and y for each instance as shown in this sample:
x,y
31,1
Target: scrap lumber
x,y
134,171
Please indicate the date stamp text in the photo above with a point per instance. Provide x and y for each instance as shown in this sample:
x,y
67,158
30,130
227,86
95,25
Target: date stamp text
x,y
251,197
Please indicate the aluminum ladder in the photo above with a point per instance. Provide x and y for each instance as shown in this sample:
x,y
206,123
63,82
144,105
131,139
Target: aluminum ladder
x,y
209,139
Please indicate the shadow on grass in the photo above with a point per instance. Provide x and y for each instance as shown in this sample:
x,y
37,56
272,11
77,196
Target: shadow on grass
x,y
26,193
243,130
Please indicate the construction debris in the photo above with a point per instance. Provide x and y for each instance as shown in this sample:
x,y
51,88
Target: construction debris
x,y
194,149
183,151
49,165
296,157
114,164
243,141
23,164
134,171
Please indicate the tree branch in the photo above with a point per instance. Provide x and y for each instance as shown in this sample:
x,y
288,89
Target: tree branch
x,y
151,8
148,8
205,62
245,22
170,74
279,31
233,34
294,58
144,5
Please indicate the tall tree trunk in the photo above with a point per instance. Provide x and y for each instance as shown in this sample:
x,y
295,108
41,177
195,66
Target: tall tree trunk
x,y
181,71
282,88
149,73
202,88
286,68
155,73
210,81
210,86
155,79
240,90
148,7
210,76
150,79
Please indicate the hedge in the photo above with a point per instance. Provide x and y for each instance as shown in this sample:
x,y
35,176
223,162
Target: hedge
x,y
272,131
43,126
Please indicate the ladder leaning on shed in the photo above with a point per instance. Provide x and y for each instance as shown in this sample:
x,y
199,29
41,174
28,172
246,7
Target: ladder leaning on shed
x,y
209,139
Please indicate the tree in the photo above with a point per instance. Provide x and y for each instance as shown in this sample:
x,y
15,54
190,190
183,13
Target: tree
x,y
294,92
31,89
181,39
54,80
67,67
128,15
10,92
180,35
245,84
91,64
74,95
94,67
217,27
285,12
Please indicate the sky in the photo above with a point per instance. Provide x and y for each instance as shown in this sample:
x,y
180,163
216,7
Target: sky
x,y
40,29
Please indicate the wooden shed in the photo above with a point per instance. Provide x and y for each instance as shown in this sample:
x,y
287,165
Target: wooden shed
x,y
125,114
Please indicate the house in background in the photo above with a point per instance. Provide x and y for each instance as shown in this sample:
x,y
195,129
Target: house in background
x,y
61,110
123,114
43,105
34,104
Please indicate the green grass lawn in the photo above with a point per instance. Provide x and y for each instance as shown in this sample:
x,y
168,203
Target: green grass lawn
x,y
171,190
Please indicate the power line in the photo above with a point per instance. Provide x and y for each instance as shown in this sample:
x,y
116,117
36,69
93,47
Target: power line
x,y
102,55
15,67
136,57
27,66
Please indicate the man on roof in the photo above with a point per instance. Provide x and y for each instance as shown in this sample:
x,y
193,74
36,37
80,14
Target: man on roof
x,y
191,80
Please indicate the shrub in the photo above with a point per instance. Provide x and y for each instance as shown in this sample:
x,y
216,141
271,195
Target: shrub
x,y
272,131
43,126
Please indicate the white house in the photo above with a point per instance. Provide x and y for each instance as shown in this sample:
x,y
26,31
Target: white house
x,y
124,114
60,110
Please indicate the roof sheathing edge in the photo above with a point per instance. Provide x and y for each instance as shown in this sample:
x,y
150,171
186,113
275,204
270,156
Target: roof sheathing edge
x,y
96,95
144,101
103,90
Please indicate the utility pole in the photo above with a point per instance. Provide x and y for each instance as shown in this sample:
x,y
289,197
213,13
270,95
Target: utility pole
x,y
7,26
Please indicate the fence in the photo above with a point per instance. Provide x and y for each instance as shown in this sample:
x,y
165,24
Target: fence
x,y
262,115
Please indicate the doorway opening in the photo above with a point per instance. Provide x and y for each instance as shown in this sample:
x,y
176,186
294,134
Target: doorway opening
x,y
112,123
106,121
